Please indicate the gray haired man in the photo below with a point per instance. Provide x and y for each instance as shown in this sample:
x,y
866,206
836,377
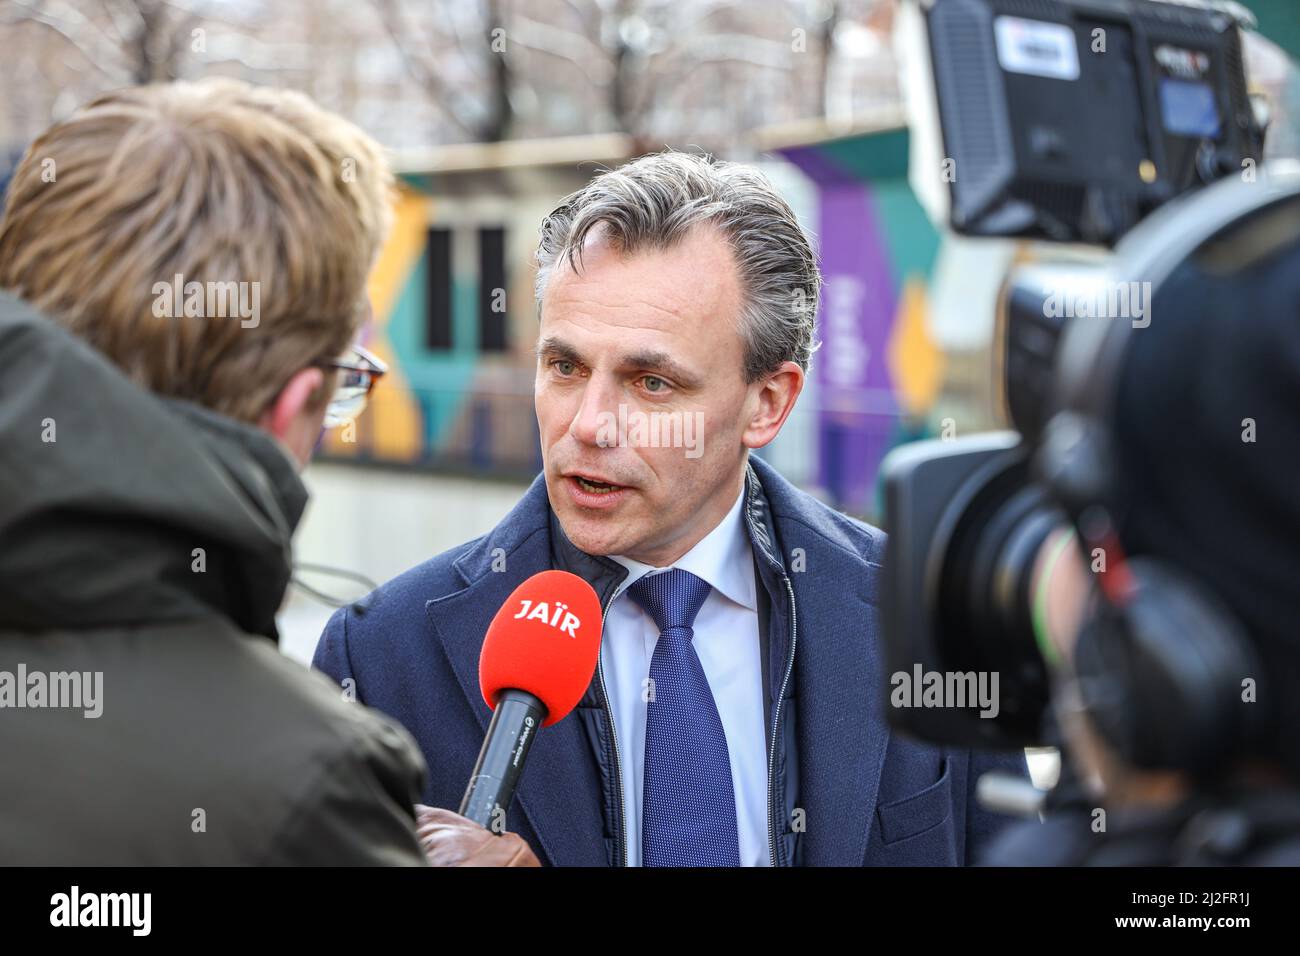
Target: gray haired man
x,y
736,716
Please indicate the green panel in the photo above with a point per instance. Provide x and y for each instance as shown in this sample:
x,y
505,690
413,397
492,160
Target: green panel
x,y
1279,20
416,181
444,375
912,241
871,156
464,317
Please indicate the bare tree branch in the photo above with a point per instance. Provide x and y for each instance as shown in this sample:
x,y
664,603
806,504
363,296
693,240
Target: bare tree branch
x,y
437,89
462,42
84,35
115,19
566,45
732,47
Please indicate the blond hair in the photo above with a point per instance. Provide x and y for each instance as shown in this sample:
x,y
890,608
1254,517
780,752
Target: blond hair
x,y
216,182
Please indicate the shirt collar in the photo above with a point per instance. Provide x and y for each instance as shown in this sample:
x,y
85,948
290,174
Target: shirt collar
x,y
722,558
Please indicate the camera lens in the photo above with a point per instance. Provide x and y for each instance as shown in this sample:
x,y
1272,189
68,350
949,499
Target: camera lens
x,y
984,591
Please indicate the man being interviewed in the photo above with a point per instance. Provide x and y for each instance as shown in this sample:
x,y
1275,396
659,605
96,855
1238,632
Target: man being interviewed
x,y
735,716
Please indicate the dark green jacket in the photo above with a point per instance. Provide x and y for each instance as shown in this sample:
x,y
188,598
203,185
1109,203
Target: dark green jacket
x,y
145,546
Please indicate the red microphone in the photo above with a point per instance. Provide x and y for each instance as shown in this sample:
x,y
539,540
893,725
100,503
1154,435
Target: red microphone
x,y
537,660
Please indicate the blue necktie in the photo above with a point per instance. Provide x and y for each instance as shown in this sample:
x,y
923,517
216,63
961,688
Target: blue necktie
x,y
688,817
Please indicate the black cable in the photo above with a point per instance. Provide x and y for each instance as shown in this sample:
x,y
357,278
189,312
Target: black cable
x,y
327,599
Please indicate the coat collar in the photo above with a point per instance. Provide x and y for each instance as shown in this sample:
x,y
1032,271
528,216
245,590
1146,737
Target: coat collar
x,y
842,736
99,527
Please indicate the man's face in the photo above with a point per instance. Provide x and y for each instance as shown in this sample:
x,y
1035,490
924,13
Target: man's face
x,y
652,340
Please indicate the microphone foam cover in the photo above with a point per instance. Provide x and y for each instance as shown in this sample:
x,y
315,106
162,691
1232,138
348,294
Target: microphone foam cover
x,y
544,640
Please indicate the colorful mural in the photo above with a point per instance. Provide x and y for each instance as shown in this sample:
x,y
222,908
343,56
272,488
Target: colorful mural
x,y
875,381
455,315
878,370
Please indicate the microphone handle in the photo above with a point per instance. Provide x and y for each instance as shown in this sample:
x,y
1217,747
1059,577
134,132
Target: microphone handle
x,y
517,717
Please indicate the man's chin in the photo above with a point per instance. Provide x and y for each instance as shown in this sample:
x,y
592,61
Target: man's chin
x,y
596,534
599,533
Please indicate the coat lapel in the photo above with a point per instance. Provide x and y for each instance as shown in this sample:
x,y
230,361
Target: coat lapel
x,y
559,790
843,734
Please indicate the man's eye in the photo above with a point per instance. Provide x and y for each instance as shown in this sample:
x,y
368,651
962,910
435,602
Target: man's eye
x,y
563,366
653,384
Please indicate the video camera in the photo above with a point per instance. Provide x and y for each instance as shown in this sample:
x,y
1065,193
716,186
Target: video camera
x,y
1104,121
1071,120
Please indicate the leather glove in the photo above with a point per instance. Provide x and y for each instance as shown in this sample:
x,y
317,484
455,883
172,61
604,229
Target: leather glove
x,y
449,839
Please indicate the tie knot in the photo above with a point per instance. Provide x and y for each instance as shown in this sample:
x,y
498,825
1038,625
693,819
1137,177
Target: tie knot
x,y
672,598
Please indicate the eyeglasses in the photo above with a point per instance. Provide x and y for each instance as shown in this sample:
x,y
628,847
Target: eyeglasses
x,y
359,372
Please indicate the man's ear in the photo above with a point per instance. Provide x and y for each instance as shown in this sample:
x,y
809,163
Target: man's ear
x,y
776,396
294,416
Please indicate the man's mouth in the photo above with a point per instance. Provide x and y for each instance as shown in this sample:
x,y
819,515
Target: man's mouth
x,y
596,487
592,491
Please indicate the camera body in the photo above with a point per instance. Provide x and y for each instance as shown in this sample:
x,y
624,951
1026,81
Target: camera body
x,y
1071,120
1159,661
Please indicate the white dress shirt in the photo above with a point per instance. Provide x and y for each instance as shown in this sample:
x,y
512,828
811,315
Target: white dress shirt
x,y
727,642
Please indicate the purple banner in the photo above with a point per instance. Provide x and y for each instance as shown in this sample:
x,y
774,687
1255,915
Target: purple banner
x,y
855,392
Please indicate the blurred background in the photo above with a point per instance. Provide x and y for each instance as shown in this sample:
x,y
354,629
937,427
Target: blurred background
x,y
495,109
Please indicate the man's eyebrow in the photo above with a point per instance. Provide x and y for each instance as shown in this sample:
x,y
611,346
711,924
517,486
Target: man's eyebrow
x,y
662,363
557,348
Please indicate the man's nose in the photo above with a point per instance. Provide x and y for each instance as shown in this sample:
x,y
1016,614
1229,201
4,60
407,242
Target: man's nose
x,y
597,413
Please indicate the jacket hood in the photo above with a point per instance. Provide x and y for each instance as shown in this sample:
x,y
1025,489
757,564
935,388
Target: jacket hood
x,y
122,508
